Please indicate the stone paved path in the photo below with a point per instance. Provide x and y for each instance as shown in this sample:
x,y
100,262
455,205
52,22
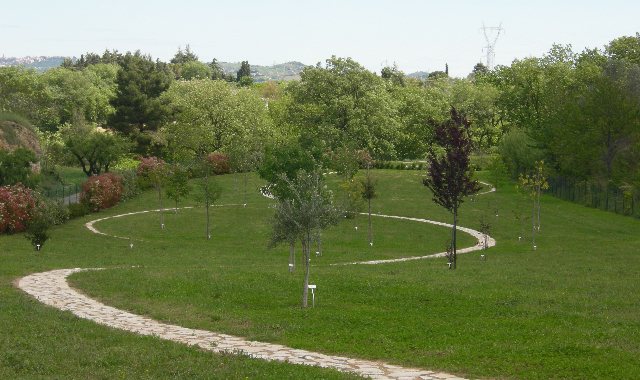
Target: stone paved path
x,y
51,288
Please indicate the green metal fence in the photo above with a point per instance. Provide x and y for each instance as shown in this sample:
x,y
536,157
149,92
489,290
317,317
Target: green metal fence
x,y
612,199
70,194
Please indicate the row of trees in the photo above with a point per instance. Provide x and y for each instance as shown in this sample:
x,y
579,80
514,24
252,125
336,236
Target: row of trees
x,y
578,112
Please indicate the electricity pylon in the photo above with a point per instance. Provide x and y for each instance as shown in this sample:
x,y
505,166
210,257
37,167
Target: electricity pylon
x,y
491,54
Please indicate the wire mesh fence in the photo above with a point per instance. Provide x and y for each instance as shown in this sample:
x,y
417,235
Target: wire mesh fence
x,y
623,201
70,194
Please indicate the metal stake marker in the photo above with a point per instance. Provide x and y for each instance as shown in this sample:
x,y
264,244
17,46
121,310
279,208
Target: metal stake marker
x,y
131,235
313,296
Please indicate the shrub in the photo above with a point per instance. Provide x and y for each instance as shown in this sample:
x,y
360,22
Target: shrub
x,y
77,210
37,231
126,164
55,211
18,205
219,163
129,183
152,172
102,191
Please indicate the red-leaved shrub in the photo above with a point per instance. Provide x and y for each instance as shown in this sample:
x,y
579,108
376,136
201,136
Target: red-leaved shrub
x,y
17,208
102,191
152,172
219,163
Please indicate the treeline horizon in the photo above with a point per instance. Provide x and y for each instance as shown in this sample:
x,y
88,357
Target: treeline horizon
x,y
579,112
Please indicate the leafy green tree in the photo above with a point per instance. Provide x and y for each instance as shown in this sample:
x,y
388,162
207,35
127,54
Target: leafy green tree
x,y
185,56
284,160
480,68
395,75
22,92
244,71
343,103
139,108
216,71
369,192
532,90
439,74
210,114
208,191
518,152
597,135
450,173
625,48
94,151
414,107
477,102
306,210
245,82
347,162
196,70
15,166
177,185
87,92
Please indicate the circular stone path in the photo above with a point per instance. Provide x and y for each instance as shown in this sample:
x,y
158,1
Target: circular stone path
x,y
51,288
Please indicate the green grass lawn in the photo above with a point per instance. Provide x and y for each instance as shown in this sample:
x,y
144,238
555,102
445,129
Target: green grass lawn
x,y
569,310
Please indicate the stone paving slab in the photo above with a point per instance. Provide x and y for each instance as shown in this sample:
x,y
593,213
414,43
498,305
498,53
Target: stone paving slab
x,y
51,288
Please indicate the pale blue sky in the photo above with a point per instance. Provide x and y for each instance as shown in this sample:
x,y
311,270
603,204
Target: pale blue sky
x,y
417,35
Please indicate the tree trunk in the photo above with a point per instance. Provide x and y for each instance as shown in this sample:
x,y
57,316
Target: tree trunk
x,y
245,189
533,225
496,191
356,213
235,174
292,257
370,229
306,242
160,205
538,207
206,196
453,236
319,241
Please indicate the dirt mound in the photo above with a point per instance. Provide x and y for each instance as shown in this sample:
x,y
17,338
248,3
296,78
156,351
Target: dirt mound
x,y
14,135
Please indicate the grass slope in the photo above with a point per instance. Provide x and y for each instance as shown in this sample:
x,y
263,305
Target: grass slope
x,y
569,310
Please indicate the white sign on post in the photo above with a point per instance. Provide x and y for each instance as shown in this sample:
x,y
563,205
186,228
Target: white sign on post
x,y
313,296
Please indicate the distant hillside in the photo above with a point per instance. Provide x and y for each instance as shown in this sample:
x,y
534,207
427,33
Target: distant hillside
x,y
419,75
281,71
39,63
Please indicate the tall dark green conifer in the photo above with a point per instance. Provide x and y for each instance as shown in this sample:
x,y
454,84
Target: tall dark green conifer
x,y
139,111
245,71
138,107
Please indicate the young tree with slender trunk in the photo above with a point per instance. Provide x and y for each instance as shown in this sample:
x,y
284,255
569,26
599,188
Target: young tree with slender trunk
x,y
209,193
532,185
450,173
497,174
307,209
177,185
153,172
368,193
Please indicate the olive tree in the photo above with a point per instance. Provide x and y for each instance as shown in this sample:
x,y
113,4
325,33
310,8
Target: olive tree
x,y
306,209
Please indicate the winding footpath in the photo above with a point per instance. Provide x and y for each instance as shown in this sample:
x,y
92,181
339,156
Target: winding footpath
x,y
52,288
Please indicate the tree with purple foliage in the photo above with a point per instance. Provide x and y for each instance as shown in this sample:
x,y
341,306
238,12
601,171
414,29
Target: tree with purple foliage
x,y
450,173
